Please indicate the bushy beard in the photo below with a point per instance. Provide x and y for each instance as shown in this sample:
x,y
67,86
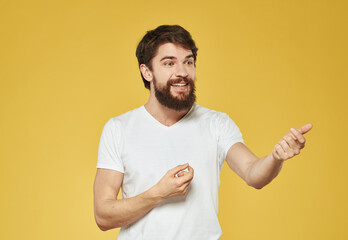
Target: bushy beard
x,y
183,101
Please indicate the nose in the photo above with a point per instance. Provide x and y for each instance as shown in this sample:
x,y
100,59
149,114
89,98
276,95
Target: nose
x,y
181,71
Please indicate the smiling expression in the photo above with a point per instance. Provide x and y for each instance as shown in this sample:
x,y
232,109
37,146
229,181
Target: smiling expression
x,y
173,73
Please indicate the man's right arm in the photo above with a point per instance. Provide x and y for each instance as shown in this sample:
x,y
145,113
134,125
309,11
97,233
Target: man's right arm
x,y
111,212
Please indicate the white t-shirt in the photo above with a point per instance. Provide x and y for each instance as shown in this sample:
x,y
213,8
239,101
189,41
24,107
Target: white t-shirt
x,y
142,148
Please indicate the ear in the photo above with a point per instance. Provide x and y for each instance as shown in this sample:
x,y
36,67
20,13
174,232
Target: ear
x,y
146,72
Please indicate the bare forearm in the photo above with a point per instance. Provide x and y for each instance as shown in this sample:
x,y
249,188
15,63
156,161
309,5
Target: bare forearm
x,y
263,171
112,213
118,213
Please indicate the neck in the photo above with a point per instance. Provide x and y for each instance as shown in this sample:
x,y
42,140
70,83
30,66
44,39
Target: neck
x,y
161,113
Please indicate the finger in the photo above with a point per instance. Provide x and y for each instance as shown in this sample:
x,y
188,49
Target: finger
x,y
281,153
293,136
298,135
291,142
177,169
276,155
295,146
190,170
290,151
188,176
286,148
305,128
182,173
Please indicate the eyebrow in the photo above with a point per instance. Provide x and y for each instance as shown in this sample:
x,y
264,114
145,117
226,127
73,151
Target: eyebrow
x,y
172,57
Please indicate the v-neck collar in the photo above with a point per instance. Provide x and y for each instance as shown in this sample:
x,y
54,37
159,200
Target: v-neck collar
x,y
152,118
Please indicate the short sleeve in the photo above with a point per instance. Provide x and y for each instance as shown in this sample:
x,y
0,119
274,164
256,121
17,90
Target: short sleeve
x,y
228,134
109,154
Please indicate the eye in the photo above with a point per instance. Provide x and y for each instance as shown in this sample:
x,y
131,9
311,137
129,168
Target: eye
x,y
168,64
189,62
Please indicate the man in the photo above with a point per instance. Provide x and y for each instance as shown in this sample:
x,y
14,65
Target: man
x,y
167,155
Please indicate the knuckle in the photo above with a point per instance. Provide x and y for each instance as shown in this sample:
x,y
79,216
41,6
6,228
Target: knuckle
x,y
177,184
297,133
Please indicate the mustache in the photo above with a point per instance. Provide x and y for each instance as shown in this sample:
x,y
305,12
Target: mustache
x,y
179,80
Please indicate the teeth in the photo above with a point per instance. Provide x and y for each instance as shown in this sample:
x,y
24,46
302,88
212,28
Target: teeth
x,y
180,84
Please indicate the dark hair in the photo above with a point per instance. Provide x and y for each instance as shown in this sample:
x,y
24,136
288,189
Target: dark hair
x,y
148,46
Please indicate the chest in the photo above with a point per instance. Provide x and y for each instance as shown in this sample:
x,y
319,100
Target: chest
x,y
147,155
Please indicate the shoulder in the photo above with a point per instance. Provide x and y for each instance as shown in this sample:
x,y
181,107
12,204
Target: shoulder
x,y
218,122
208,114
125,118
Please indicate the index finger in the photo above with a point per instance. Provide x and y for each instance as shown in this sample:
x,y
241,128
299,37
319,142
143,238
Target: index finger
x,y
188,176
305,128
298,135
177,169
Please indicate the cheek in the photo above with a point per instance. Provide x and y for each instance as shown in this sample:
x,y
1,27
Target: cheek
x,y
192,71
165,75
192,74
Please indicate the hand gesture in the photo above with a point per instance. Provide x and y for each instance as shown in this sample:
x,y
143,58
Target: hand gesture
x,y
291,144
175,182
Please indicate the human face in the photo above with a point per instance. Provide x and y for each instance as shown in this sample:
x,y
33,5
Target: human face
x,y
173,74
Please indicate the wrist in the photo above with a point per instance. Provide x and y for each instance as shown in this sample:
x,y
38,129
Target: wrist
x,y
155,195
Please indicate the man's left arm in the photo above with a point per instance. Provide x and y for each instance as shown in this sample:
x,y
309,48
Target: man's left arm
x,y
259,172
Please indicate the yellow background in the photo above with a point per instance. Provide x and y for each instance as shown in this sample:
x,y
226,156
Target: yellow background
x,y
66,67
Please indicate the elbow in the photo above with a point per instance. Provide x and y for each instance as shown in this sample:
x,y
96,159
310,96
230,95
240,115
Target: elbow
x,y
256,185
101,227
107,222
103,223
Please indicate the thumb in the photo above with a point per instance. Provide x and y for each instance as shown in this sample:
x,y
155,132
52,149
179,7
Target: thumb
x,y
178,168
305,128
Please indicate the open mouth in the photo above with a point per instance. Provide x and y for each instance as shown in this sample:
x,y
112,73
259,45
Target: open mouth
x,y
179,84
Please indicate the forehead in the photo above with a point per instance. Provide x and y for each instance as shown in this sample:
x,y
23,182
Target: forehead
x,y
172,49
